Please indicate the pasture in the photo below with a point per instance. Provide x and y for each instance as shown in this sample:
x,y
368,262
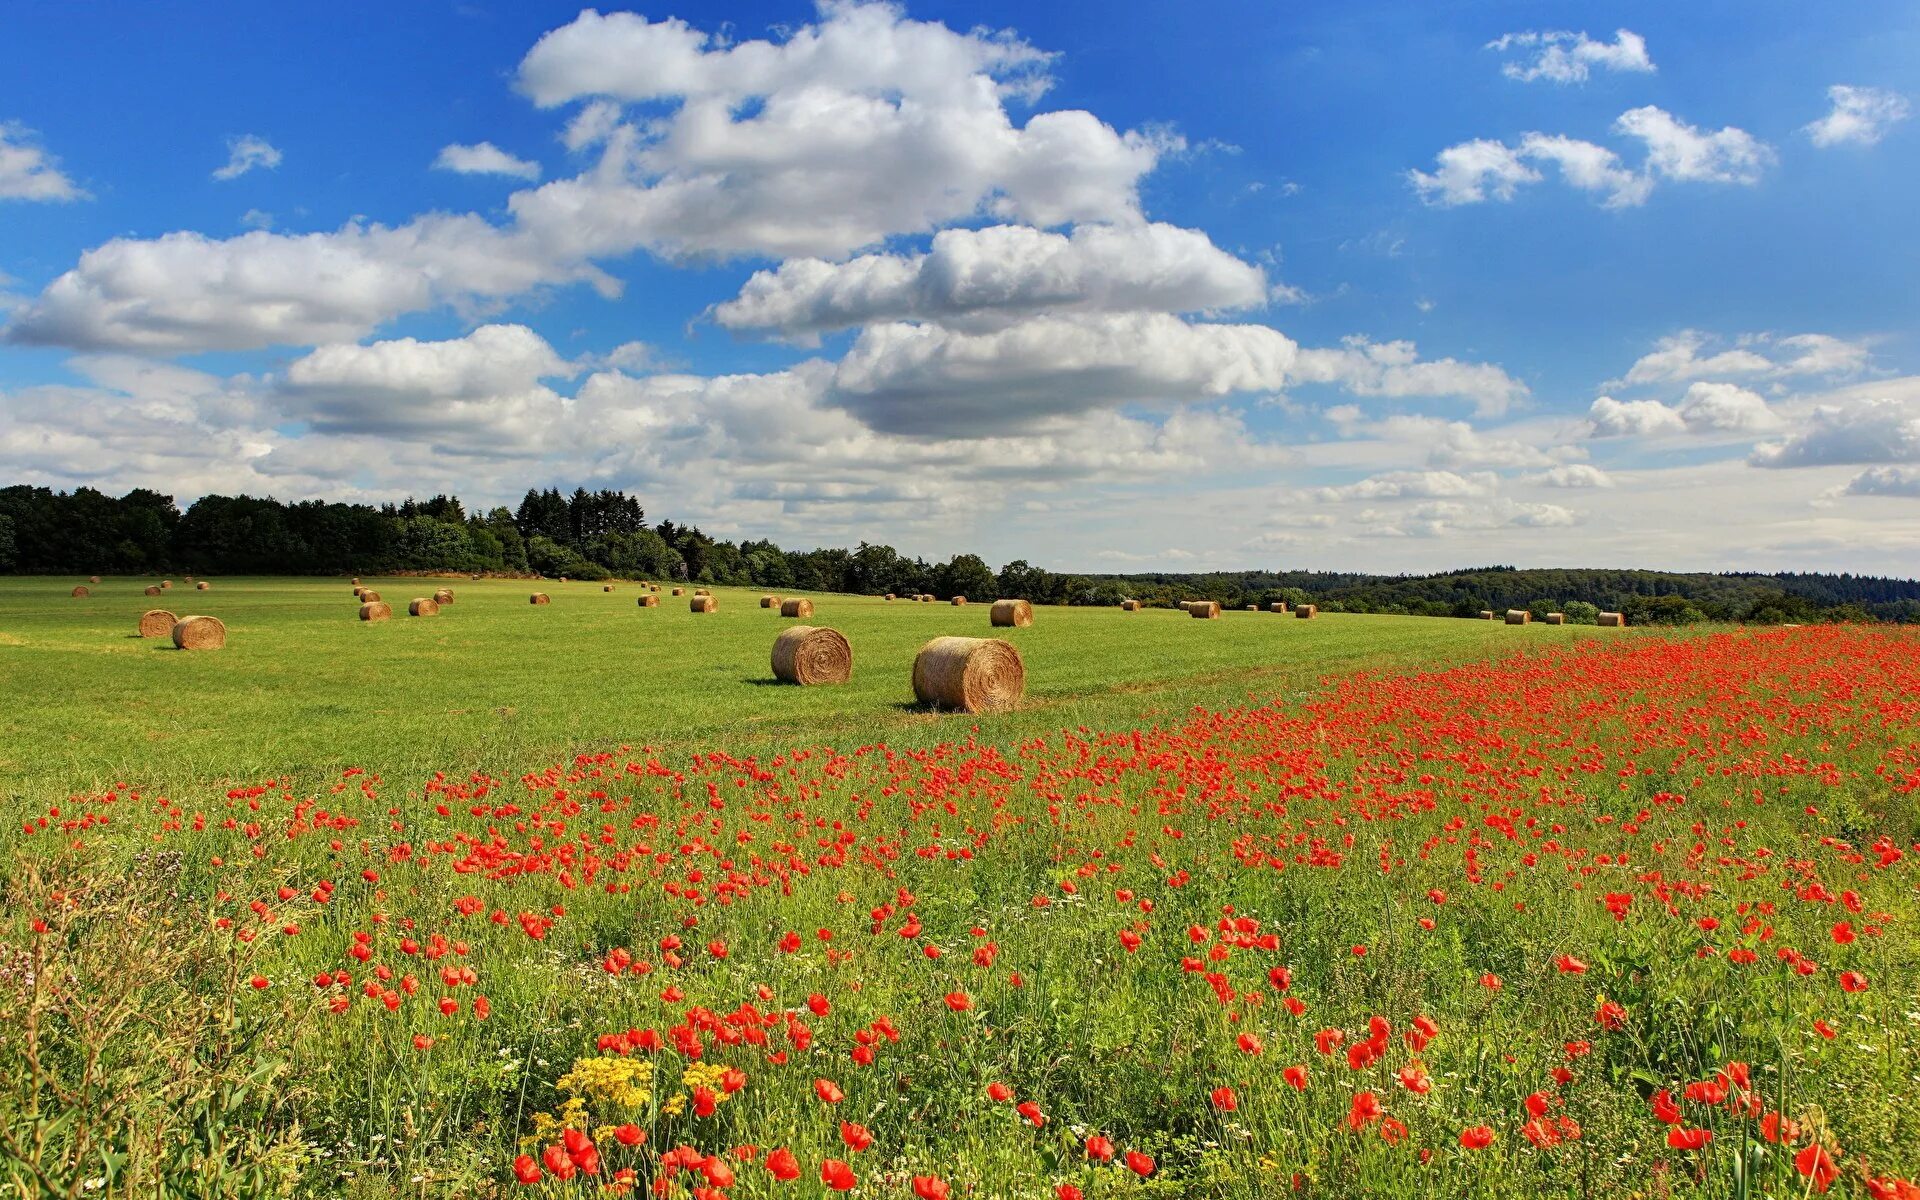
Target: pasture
x,y
574,900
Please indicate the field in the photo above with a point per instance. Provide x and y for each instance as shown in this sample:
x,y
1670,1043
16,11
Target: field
x,y
574,900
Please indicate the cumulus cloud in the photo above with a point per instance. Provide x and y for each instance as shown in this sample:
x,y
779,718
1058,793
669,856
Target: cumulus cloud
x,y
1874,430
1443,518
1632,418
1707,408
1406,485
1448,444
1480,170
1572,475
484,159
1860,116
999,274
27,171
1394,369
1886,481
1559,56
246,152
1679,357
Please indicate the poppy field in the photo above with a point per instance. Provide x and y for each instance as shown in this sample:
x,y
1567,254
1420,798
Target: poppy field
x,y
1621,916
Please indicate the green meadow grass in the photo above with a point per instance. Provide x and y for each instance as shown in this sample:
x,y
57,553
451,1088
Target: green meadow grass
x,y
498,685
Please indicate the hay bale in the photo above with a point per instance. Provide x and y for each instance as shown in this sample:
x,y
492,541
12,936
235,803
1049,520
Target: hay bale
x,y
703,591
199,633
679,591
1613,620
1253,608
606,587
649,601
369,596
958,602
1011,614
156,622
356,581
1486,614
202,586
889,597
1129,606
81,591
1519,616
703,604
1279,606
796,607
166,585
93,579
1306,612
443,596
1556,618
359,593
770,602
188,578
376,611
811,654
539,598
151,591
420,606
1205,610
970,674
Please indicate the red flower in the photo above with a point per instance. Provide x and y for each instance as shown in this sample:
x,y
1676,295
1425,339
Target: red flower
x,y
1225,1100
838,1175
828,1090
1067,1191
1249,1044
1031,1112
1100,1148
1817,1165
1681,1138
1296,1077
1477,1137
630,1135
999,1092
855,1136
1365,1110
1665,1110
1569,965
1852,981
959,1001
526,1170
929,1187
1140,1164
782,1166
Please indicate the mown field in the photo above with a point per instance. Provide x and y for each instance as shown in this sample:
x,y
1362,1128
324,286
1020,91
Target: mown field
x,y
574,901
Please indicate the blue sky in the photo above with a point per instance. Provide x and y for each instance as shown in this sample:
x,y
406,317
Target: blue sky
x,y
1117,286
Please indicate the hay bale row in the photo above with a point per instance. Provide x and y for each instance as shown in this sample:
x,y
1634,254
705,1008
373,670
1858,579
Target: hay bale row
x,y
1613,620
199,633
970,674
811,654
421,606
1011,614
376,610
796,607
1519,616
703,604
156,622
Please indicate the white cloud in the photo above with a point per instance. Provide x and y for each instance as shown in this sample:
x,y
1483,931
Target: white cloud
x,y
1677,150
1873,430
1590,168
1443,518
1001,274
246,152
485,159
1471,172
1886,481
1564,57
1725,408
1394,369
1406,485
1860,116
1572,475
1677,357
1632,418
27,171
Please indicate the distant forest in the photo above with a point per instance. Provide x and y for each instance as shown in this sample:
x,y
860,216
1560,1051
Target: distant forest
x,y
605,534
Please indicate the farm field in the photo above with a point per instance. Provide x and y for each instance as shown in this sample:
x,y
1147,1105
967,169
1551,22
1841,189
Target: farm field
x,y
1359,906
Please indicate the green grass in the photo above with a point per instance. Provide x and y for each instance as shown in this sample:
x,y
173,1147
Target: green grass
x,y
495,684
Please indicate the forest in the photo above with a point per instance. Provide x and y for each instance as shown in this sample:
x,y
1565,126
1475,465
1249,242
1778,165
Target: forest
x,y
605,534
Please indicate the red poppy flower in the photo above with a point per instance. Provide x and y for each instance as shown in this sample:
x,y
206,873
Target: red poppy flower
x,y
1852,981
999,1092
1100,1148
526,1170
959,1001
1140,1164
1365,1110
1225,1100
838,1175
1295,1076
1031,1112
629,1135
828,1090
1817,1166
782,1165
929,1187
857,1137
1681,1138
1476,1137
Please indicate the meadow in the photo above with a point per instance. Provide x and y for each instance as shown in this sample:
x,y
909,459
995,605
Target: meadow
x,y
575,900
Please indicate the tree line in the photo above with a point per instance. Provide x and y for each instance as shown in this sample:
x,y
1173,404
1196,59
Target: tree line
x,y
605,534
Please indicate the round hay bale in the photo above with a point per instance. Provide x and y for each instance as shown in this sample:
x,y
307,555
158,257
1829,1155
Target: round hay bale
x,y
1253,608
796,607
356,581
769,602
188,578
1278,606
93,579
679,591
199,633
166,585
703,604
420,606
703,591
1129,606
606,587
1011,614
156,622
958,601
539,598
1486,614
443,597
151,591
475,578
359,592
1205,610
369,596
889,597
811,654
81,591
1306,612
1556,618
563,579
376,611
970,674
1519,616
1613,620
649,601
202,586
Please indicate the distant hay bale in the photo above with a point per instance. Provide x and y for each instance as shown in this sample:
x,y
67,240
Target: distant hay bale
x,y
770,602
539,598
199,633
796,607
703,591
151,590
679,591
927,598
1613,620
563,579
703,604
475,577
202,586
1306,612
376,611
188,578
1519,616
156,622
649,601
1556,618
81,591
811,654
93,579
1486,614
889,596
1279,606
1012,614
369,596
970,674
166,584
1253,608
1129,606
359,593
958,601
420,606
606,587
443,597
356,581
1205,610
